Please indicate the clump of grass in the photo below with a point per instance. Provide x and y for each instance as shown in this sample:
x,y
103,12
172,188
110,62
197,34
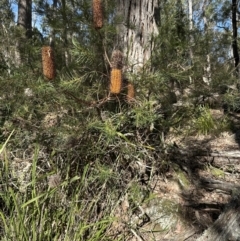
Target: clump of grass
x,y
51,211
74,201
205,123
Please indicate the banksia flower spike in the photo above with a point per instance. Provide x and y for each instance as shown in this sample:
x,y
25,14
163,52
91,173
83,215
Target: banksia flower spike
x,y
130,92
116,81
49,70
116,72
97,14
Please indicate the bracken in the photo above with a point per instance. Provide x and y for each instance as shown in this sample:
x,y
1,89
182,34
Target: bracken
x,y
116,81
49,70
97,14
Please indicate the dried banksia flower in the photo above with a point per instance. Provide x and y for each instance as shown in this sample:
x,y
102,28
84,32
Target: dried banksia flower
x,y
116,81
117,59
97,14
49,70
130,92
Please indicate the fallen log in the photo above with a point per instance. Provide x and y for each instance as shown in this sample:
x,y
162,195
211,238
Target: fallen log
x,y
226,227
226,160
209,183
201,152
233,154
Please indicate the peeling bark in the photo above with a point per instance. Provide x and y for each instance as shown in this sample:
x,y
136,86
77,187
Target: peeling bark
x,y
137,29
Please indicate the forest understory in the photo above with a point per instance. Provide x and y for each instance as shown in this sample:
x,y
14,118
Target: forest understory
x,y
146,183
119,120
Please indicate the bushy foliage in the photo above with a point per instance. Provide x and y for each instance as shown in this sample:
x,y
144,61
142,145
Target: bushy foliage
x,y
84,149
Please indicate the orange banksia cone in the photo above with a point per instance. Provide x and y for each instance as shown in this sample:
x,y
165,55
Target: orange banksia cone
x,y
130,92
97,14
116,81
116,72
49,70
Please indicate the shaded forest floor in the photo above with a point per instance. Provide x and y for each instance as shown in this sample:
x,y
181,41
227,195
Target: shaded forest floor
x,y
196,189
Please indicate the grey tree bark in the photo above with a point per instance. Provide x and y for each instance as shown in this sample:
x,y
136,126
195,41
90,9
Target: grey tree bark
x,y
24,21
191,39
207,68
6,41
235,35
25,15
65,33
138,24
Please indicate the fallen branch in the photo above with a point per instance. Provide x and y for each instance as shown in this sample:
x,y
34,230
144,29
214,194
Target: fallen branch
x,y
226,227
209,183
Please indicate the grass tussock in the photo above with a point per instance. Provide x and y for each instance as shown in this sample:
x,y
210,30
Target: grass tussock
x,y
55,208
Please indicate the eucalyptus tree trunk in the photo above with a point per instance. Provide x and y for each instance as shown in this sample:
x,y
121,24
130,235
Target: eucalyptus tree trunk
x,y
24,22
191,40
6,51
52,32
65,33
62,5
25,15
235,35
136,30
207,67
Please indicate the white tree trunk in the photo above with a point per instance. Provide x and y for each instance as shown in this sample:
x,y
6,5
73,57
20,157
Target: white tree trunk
x,y
191,40
207,68
138,26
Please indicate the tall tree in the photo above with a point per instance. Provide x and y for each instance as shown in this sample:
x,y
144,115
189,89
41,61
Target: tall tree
x,y
191,39
207,66
25,15
235,35
138,26
65,31
6,22
24,22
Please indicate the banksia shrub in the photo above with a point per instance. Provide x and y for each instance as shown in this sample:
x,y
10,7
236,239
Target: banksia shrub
x,y
116,81
130,92
49,70
97,14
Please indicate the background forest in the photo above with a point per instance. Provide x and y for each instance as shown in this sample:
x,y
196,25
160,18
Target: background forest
x,y
80,159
